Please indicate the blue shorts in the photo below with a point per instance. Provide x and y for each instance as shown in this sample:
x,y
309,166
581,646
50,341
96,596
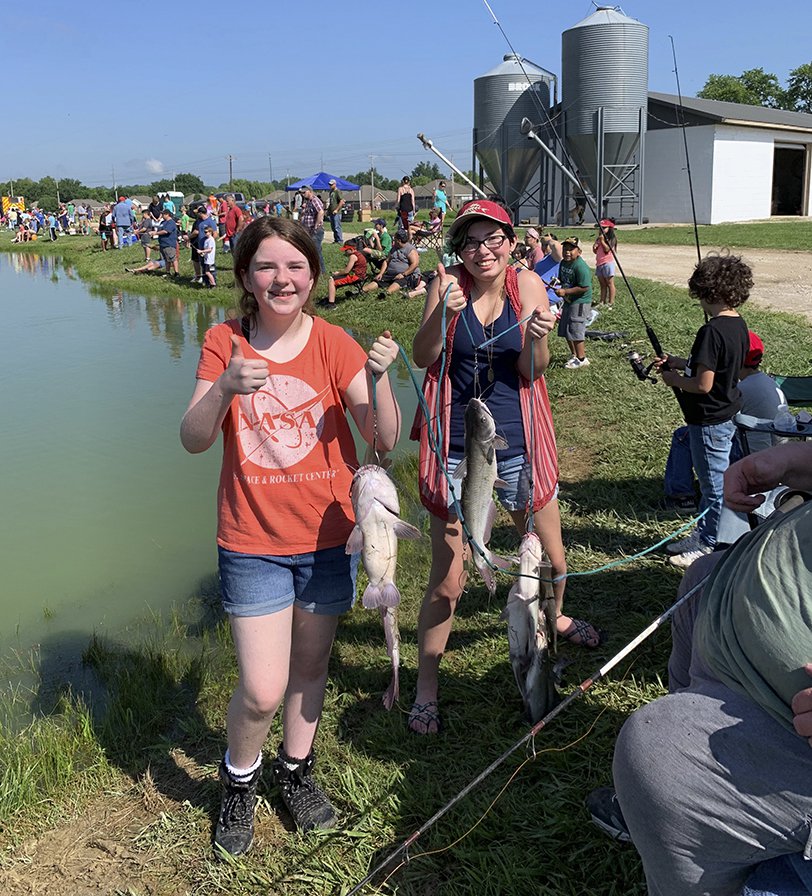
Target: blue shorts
x,y
321,582
515,472
606,270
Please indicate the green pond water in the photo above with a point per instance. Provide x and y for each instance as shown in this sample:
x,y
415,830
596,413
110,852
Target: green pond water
x,y
109,523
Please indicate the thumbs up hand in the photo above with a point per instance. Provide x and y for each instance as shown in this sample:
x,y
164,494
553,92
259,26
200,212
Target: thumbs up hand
x,y
447,283
383,352
243,375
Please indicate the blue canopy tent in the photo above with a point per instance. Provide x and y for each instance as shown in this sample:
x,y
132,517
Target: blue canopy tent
x,y
321,181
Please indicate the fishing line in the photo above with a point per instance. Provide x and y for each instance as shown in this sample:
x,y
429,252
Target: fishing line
x,y
434,447
531,757
530,523
579,691
375,417
518,323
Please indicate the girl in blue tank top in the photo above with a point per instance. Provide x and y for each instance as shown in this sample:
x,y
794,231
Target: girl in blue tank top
x,y
490,374
479,299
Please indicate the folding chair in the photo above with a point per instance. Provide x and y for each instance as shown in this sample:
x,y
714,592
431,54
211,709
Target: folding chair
x,y
752,433
797,389
436,241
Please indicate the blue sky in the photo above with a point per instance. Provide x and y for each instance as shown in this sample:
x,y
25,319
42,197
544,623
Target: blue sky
x,y
149,90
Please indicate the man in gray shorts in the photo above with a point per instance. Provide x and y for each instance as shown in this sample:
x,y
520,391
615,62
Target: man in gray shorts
x,y
714,780
576,309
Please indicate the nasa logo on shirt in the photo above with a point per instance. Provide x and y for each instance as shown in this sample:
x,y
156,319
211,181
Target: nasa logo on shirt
x,y
280,424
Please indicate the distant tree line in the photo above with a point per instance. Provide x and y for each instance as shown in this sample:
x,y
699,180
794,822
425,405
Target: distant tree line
x,y
48,192
755,87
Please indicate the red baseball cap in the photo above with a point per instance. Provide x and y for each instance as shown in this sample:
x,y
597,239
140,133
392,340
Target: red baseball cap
x,y
479,208
756,351
607,222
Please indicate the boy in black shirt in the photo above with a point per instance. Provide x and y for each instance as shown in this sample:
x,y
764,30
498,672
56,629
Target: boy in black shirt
x,y
707,389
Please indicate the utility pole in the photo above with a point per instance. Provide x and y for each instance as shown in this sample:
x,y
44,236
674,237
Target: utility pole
x,y
452,184
230,159
372,178
115,185
57,190
174,185
12,188
270,167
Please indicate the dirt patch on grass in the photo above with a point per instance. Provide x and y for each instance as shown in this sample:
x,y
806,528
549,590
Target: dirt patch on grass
x,y
783,280
107,848
91,854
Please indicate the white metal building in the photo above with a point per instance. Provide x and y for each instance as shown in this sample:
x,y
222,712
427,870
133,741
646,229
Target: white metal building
x,y
746,161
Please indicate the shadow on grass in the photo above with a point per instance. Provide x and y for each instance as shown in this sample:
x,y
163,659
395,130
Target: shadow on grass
x,y
542,805
144,699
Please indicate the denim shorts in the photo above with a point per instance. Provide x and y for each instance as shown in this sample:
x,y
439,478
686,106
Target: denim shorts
x,y
515,472
607,269
321,582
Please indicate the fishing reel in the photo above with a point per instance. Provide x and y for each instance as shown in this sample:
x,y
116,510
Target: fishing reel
x,y
641,370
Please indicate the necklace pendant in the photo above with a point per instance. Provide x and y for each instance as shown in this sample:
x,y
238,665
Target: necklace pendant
x,y
490,374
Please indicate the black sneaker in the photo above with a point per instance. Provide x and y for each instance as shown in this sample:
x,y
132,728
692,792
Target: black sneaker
x,y
304,799
604,808
234,832
680,503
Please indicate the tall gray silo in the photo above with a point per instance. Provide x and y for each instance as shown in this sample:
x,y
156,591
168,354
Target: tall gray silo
x,y
502,98
604,92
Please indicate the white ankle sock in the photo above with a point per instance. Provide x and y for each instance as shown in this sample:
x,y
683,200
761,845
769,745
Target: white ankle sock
x,y
241,775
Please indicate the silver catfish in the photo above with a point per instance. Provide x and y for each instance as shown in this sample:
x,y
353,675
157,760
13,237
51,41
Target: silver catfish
x,y
478,473
530,621
375,535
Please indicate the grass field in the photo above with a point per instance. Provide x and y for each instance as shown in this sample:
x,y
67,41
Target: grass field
x,y
156,737
783,234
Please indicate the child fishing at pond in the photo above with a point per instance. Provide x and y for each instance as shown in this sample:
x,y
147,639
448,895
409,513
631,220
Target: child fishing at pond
x,y
706,387
604,248
278,382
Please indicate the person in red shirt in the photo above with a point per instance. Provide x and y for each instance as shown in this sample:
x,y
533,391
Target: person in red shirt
x,y
354,271
277,382
232,222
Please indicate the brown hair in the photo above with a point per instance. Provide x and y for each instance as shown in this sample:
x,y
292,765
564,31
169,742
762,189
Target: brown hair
x,y
248,244
722,278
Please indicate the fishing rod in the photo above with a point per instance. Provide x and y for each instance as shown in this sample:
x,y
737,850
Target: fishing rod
x,y
427,144
528,130
681,119
579,691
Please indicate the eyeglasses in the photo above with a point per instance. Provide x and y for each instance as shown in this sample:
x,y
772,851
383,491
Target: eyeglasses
x,y
493,242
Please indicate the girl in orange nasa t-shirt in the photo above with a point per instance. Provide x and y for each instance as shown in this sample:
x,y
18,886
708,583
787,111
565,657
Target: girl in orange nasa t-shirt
x,y
278,383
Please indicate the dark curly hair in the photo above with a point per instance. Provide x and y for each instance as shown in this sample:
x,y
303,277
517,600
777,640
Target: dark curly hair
x,y
722,278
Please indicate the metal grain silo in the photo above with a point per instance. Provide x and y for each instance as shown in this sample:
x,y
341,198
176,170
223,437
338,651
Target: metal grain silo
x,y
502,98
604,86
